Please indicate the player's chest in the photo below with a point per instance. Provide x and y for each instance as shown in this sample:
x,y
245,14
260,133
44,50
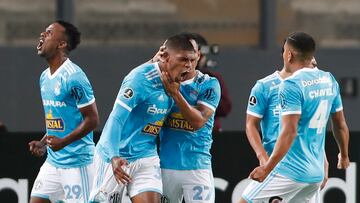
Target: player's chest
x,y
54,89
158,104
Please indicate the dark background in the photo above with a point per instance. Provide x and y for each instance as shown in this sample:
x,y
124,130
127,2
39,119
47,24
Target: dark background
x,y
233,160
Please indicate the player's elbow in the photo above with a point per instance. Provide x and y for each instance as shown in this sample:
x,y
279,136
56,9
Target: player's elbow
x,y
198,124
93,122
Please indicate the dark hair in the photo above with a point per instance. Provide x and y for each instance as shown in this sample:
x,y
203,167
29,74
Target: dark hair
x,y
179,42
303,43
72,35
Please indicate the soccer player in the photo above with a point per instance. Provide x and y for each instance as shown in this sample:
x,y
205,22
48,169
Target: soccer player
x,y
71,116
186,137
126,154
263,110
295,168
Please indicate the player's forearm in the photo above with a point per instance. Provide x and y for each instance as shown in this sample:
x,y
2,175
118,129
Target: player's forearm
x,y
282,146
86,126
341,135
190,113
253,136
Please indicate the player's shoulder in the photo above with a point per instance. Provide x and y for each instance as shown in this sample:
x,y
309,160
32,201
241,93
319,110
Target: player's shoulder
x,y
269,79
205,79
146,72
44,74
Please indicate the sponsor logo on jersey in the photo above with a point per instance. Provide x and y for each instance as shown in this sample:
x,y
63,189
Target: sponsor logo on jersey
x,y
154,110
177,121
316,81
153,128
252,100
52,123
128,93
53,103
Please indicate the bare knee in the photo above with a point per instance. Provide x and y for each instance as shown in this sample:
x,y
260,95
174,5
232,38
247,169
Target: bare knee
x,y
39,200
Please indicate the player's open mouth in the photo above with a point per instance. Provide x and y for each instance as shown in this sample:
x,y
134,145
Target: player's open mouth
x,y
183,76
39,46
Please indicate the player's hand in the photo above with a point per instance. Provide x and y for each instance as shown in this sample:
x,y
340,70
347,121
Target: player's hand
x,y
159,54
118,164
259,173
343,162
55,143
171,87
37,148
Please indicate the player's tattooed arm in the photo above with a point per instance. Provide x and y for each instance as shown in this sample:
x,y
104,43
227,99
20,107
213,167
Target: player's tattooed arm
x,y
196,116
89,123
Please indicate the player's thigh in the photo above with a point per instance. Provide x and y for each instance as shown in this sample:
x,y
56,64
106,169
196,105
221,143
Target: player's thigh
x,y
47,185
146,176
199,186
316,197
307,194
172,185
105,188
274,187
76,183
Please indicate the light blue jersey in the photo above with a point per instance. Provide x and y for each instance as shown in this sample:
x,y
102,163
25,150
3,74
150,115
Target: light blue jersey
x,y
138,115
264,103
182,148
63,94
313,94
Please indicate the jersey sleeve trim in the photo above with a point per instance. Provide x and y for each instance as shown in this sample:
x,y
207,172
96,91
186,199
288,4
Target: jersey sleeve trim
x,y
208,105
339,109
121,103
254,114
86,104
290,112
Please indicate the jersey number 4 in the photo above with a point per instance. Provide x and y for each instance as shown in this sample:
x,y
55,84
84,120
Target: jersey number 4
x,y
319,120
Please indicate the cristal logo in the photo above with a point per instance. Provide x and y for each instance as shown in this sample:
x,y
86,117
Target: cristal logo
x,y
154,110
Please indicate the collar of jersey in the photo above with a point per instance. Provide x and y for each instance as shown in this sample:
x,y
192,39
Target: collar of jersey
x,y
191,80
58,70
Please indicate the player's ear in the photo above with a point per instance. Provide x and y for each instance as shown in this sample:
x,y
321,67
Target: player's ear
x,y
165,56
62,45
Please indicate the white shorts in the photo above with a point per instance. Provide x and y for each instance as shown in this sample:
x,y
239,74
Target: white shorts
x,y
145,174
316,197
192,185
276,186
71,185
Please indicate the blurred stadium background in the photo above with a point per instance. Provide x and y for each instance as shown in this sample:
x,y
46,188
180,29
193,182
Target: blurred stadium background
x,y
118,35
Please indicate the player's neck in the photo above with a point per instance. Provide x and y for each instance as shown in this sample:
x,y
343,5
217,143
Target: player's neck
x,y
55,63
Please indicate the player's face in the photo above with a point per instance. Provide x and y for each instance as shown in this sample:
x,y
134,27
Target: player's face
x,y
180,64
287,56
51,40
192,71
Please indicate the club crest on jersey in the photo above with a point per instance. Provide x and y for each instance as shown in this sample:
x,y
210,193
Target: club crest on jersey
x,y
177,121
52,123
252,101
153,128
128,93
57,88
